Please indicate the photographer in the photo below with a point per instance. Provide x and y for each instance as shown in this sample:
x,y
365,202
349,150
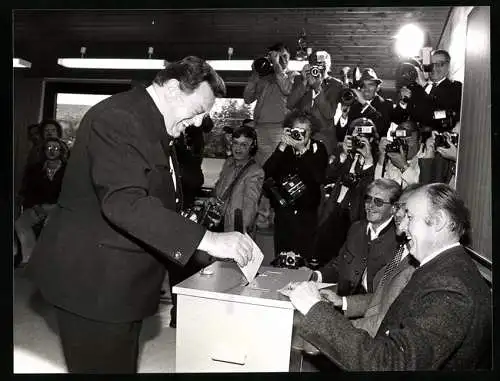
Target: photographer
x,y
269,85
398,159
347,176
438,159
366,103
314,91
294,174
240,181
434,103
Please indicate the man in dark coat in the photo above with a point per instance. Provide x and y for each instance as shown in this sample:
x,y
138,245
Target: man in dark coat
x,y
100,260
441,320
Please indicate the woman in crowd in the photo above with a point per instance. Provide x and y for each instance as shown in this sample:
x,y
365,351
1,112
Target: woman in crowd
x,y
294,174
240,181
42,181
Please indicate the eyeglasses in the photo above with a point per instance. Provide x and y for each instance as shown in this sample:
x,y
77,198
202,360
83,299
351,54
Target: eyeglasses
x,y
242,145
377,201
440,64
399,205
53,148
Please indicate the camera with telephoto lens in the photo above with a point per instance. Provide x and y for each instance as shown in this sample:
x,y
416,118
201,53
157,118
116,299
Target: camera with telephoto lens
x,y
398,142
288,260
441,141
263,66
287,192
208,213
347,97
407,76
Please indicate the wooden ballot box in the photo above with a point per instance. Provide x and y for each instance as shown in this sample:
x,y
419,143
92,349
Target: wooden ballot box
x,y
227,325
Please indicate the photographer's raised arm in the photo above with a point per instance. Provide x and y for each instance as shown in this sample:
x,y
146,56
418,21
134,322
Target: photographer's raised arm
x,y
251,91
298,91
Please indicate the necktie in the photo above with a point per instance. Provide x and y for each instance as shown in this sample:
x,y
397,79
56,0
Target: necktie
x,y
393,264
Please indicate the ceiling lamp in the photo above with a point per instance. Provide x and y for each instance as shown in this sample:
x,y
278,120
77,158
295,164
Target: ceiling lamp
x,y
112,63
409,41
19,62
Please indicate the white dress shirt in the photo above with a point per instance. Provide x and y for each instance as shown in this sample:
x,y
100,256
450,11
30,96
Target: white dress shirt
x,y
151,91
436,253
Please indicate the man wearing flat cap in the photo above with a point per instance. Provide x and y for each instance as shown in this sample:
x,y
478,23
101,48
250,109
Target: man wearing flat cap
x,y
369,104
317,93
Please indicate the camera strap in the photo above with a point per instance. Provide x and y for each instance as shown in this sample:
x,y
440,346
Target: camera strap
x,y
229,189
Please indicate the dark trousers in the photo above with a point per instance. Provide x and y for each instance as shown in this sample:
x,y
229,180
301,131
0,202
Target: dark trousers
x,y
91,346
294,231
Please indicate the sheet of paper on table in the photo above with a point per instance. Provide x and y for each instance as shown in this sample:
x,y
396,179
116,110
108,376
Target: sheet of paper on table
x,y
251,268
288,288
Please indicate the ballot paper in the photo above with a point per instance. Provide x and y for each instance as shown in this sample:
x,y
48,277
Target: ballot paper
x,y
251,268
288,288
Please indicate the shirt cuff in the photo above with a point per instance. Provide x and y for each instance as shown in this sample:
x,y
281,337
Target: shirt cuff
x,y
344,303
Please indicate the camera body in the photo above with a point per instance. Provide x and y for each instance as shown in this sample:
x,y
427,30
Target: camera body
x,y
444,120
356,143
289,260
287,192
398,142
441,141
350,180
316,70
208,213
297,134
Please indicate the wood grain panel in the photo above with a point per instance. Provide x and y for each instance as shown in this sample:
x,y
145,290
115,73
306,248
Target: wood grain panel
x,y
474,161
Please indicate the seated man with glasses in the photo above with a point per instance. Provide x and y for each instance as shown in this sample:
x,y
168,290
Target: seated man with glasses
x,y
369,246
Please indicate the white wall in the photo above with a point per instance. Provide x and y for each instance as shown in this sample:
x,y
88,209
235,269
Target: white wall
x,y
453,41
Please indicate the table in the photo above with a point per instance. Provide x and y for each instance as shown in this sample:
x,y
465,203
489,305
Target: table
x,y
224,325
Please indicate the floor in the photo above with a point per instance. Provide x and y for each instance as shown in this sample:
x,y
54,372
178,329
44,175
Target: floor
x,y
36,342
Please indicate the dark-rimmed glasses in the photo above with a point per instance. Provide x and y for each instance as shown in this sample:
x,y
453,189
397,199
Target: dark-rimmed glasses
x,y
376,200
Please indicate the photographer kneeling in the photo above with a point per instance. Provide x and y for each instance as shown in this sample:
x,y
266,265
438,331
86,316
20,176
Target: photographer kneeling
x,y
348,174
294,174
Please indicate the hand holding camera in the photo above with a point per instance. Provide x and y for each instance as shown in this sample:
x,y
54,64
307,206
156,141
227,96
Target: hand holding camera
x,y
447,148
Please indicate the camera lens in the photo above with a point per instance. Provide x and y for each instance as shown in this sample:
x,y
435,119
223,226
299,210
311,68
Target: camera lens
x,y
263,66
315,72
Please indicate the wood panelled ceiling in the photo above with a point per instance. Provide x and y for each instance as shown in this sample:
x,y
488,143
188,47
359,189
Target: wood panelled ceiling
x,y
353,36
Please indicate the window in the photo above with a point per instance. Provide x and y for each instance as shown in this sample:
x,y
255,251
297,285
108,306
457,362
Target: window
x,y
70,108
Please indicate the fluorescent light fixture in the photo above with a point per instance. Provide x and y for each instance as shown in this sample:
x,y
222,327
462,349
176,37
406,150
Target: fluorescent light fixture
x,y
151,64
246,65
80,99
19,62
112,63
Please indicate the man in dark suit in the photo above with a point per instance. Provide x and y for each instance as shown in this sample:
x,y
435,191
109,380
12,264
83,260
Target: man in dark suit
x,y
368,310
100,260
442,318
370,243
435,103
368,104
